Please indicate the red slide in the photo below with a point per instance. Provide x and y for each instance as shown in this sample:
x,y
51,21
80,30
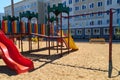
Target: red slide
x,y
12,57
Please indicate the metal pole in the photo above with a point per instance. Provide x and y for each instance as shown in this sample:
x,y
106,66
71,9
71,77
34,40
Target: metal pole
x,y
57,31
12,7
110,44
19,43
49,34
21,36
68,34
52,24
38,33
61,32
30,48
12,10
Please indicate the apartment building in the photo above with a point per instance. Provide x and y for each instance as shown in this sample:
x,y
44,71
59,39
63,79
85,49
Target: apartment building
x,y
84,26
37,6
1,16
92,25
84,23
115,4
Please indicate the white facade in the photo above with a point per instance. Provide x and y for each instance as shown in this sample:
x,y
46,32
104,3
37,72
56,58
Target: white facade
x,y
81,26
28,5
92,24
115,4
68,3
84,7
88,6
25,5
76,7
1,16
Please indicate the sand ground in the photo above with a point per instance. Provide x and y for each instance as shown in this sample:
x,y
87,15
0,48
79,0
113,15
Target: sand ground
x,y
90,62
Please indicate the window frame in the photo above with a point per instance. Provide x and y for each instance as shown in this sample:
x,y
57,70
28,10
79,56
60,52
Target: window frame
x,y
70,1
88,31
109,2
104,32
91,5
100,4
80,31
96,31
84,6
77,8
76,1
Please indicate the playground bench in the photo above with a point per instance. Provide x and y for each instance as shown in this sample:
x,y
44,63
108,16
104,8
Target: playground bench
x,y
97,40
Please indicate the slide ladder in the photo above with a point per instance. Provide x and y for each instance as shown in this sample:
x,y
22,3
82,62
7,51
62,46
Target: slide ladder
x,y
72,44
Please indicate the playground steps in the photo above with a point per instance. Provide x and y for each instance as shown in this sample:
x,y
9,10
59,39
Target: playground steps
x,y
97,40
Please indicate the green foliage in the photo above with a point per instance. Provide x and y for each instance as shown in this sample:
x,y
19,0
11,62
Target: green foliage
x,y
52,19
28,15
9,18
58,9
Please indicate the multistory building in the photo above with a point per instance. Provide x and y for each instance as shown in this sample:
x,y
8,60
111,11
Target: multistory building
x,y
1,16
37,6
92,25
83,26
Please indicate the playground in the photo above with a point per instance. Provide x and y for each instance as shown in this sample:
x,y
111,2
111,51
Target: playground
x,y
90,62
47,52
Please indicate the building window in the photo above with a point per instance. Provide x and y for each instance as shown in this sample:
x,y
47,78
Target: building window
x,y
48,4
77,18
83,7
106,31
109,2
118,22
100,14
118,11
24,7
108,21
92,23
27,6
91,15
99,22
116,30
108,12
87,31
70,9
72,32
79,31
70,1
92,5
96,31
64,3
76,1
83,0
99,4
84,16
35,4
76,8
118,1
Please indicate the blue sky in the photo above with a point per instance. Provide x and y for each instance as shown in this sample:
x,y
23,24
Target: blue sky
x,y
4,3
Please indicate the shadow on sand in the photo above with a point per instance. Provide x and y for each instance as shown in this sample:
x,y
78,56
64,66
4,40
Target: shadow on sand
x,y
6,70
34,57
51,59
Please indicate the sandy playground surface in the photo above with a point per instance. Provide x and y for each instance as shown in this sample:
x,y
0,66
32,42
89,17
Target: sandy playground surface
x,y
90,62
